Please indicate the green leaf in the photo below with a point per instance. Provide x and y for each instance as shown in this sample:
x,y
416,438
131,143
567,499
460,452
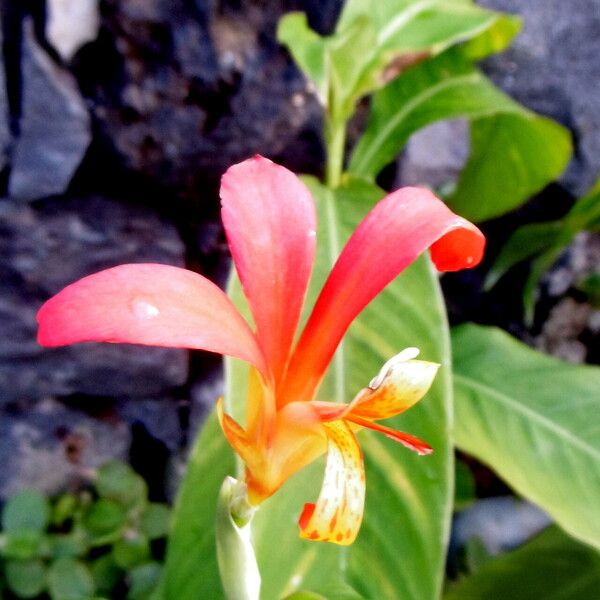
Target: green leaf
x,y
527,241
64,509
512,157
552,565
26,578
493,40
26,511
408,26
23,544
442,88
464,485
399,484
69,579
191,567
131,550
308,48
585,214
156,520
105,516
590,286
143,581
376,41
72,544
118,481
534,420
545,241
106,574
409,498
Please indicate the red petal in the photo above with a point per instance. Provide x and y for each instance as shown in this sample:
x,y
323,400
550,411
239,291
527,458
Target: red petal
x,y
154,305
400,227
270,220
409,441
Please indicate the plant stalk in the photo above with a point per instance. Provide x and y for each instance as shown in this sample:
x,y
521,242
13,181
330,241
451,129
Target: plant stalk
x,y
235,554
335,142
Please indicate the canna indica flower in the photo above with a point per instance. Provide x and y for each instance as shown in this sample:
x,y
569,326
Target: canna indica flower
x,y
270,222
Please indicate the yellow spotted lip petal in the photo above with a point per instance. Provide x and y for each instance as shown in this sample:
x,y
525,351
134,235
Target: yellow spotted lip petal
x,y
337,515
399,385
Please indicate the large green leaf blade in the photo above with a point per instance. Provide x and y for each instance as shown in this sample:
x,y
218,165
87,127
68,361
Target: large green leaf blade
x,y
513,156
442,88
191,570
400,551
534,420
408,497
552,566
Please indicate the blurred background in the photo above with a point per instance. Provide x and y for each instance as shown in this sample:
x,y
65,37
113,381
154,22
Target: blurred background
x,y
117,119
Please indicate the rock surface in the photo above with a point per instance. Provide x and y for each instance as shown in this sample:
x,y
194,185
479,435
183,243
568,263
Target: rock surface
x,y
46,446
71,23
202,87
45,247
54,126
553,68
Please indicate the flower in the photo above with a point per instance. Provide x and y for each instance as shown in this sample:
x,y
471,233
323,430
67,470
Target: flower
x,y
270,222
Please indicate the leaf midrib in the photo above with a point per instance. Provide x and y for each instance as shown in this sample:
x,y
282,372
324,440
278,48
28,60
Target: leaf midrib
x,y
536,417
411,105
413,11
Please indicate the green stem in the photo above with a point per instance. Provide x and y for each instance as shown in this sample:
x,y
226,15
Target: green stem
x,y
335,141
237,561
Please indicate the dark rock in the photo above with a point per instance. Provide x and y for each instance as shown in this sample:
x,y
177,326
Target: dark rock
x,y
553,68
204,395
49,245
159,417
500,523
435,155
48,446
193,88
54,126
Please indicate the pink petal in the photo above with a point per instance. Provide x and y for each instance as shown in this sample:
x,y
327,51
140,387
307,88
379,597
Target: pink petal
x,y
400,227
150,304
270,220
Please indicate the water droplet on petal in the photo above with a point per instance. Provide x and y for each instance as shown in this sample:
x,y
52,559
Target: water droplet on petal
x,y
143,309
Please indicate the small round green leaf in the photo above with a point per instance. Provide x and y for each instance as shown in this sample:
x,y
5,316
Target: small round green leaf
x,y
155,521
105,516
25,578
69,579
64,508
132,550
23,545
118,481
106,574
68,544
143,580
26,511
